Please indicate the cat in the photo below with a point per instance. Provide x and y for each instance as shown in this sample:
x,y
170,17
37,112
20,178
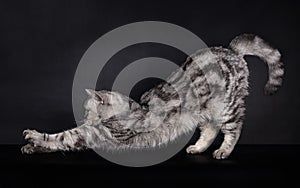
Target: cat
x,y
194,96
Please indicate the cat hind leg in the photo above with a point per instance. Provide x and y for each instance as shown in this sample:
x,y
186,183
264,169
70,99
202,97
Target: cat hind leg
x,y
231,133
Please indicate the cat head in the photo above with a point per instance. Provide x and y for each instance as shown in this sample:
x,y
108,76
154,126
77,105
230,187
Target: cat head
x,y
105,104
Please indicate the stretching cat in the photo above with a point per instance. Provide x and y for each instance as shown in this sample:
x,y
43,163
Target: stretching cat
x,y
186,101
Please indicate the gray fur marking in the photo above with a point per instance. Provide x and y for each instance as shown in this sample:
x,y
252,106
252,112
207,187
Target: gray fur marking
x,y
187,100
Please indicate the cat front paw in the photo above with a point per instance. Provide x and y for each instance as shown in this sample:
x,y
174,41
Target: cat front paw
x,y
28,149
194,149
32,136
221,154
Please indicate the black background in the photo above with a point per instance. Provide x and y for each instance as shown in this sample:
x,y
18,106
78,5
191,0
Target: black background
x,y
41,43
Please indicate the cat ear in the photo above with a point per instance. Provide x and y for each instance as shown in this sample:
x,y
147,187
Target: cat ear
x,y
90,92
94,94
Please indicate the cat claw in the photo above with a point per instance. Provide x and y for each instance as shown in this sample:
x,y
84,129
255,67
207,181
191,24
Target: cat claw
x,y
25,132
28,134
33,137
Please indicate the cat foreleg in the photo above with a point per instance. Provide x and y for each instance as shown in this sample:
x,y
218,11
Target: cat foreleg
x,y
208,135
42,142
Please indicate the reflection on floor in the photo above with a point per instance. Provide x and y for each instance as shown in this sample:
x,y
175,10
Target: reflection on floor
x,y
249,166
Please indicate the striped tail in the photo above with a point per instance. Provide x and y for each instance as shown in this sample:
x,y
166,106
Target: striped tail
x,y
248,44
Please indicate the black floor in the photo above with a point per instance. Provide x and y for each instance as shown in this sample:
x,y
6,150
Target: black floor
x,y
248,166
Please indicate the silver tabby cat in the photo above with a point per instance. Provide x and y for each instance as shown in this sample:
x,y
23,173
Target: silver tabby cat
x,y
184,102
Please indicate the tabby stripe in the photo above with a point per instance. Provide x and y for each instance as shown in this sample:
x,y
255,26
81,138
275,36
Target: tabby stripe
x,y
62,137
229,66
188,61
226,74
203,105
207,92
197,73
80,142
238,90
234,109
235,119
234,98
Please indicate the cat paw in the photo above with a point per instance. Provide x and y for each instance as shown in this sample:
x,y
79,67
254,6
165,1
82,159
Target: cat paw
x,y
221,154
28,149
193,149
33,136
29,133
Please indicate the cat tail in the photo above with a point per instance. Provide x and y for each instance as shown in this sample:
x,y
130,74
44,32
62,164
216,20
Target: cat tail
x,y
248,44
